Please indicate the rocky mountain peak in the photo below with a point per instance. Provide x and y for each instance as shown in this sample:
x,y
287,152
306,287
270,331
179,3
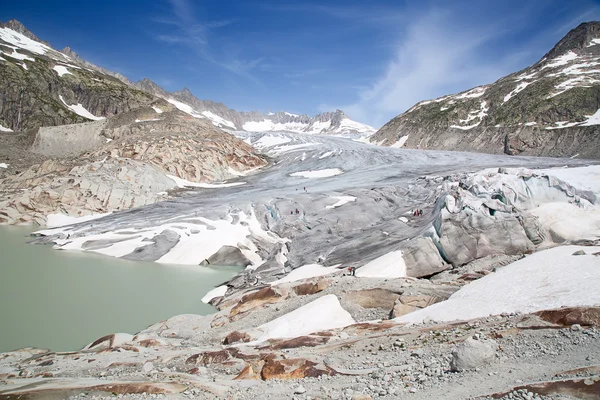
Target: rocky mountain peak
x,y
69,52
151,87
17,26
185,94
578,39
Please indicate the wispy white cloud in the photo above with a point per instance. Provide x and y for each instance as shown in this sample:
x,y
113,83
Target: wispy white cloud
x,y
306,72
436,55
196,34
444,51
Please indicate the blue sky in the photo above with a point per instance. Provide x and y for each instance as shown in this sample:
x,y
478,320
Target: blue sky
x,y
373,59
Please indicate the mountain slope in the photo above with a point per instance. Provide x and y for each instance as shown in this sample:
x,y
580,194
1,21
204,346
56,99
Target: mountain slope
x,y
549,109
41,86
336,122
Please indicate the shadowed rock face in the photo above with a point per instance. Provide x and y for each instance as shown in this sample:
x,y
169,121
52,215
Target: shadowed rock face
x,y
586,316
537,111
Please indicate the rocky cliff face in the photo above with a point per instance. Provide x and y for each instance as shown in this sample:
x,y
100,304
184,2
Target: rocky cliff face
x,y
40,86
549,109
115,164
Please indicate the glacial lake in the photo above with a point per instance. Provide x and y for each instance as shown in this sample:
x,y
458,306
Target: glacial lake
x,y
63,300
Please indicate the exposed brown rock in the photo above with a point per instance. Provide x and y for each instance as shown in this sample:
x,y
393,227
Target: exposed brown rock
x,y
580,388
267,295
408,304
293,368
368,326
311,288
372,298
301,341
237,337
220,357
572,315
149,343
247,373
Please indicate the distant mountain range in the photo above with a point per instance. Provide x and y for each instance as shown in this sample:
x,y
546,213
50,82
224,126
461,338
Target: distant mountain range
x,y
551,108
326,123
41,86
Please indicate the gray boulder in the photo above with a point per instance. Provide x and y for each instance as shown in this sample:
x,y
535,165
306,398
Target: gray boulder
x,y
228,255
472,353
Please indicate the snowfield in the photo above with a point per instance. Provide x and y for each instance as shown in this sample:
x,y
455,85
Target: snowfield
x,y
183,183
318,315
390,265
80,110
61,70
548,279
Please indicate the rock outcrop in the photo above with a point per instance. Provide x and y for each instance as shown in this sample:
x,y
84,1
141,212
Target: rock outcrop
x,y
119,163
549,109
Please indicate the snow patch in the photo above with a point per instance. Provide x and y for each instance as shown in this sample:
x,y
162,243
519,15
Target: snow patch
x,y
319,315
58,220
400,142
593,42
4,165
390,265
548,279
561,60
473,93
186,108
182,183
269,140
562,124
158,110
61,70
582,178
17,56
516,90
196,241
592,119
322,173
22,41
341,201
216,292
80,110
4,129
218,121
148,120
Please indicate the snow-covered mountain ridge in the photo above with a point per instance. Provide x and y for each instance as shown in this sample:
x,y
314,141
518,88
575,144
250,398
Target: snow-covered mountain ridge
x,y
551,108
69,90
336,122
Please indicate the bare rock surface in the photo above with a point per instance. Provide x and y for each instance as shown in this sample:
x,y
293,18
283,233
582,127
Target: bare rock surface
x,y
472,353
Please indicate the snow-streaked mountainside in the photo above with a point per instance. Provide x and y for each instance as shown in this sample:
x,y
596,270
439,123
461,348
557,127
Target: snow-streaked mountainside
x,y
81,91
41,86
336,122
551,108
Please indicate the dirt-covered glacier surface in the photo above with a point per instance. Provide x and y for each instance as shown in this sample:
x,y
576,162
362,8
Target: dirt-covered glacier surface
x,y
337,202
